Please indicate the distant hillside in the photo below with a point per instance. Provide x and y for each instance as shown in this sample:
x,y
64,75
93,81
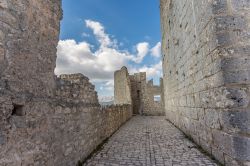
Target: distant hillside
x,y
107,103
106,100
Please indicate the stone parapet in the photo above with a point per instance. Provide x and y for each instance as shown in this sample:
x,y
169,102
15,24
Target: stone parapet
x,y
54,132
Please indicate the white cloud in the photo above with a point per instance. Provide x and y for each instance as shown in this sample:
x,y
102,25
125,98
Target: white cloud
x,y
142,51
99,65
99,32
156,50
78,58
109,85
154,70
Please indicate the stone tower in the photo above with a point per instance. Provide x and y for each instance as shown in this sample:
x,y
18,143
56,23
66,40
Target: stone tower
x,y
122,87
136,90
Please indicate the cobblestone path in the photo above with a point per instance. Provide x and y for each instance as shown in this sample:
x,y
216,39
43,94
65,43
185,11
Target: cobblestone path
x,y
149,141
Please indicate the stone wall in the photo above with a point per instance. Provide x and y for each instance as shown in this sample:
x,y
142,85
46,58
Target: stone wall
x,y
57,132
152,106
138,86
45,120
136,90
76,87
143,93
29,31
205,47
122,87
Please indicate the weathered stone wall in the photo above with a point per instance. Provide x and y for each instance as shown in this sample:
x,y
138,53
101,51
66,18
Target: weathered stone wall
x,y
45,120
60,130
135,90
114,116
152,107
57,133
138,86
205,47
76,87
122,87
143,92
29,31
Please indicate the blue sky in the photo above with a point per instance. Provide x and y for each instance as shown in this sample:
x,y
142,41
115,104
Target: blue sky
x,y
100,36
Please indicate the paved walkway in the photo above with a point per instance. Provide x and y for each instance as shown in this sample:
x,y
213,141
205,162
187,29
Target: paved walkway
x,y
149,141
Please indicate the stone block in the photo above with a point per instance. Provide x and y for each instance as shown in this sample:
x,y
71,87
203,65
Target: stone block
x,y
2,54
241,148
206,146
2,36
3,4
230,22
2,138
19,122
230,161
218,154
237,77
235,120
223,141
219,6
8,18
211,118
232,64
223,39
240,4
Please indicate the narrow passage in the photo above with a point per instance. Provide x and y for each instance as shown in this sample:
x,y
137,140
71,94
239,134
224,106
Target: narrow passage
x,y
149,141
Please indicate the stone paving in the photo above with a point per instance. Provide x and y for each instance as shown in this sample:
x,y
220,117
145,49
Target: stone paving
x,y
149,141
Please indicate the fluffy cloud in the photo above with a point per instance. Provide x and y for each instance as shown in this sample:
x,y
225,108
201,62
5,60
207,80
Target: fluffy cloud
x,y
152,71
156,50
99,32
108,86
142,51
78,58
99,65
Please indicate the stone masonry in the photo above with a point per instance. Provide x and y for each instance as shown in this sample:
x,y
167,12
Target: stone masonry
x,y
143,92
45,120
122,87
152,105
29,33
205,47
77,88
136,90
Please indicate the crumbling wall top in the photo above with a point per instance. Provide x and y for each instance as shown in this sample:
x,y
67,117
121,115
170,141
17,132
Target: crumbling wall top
x,y
74,78
76,87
